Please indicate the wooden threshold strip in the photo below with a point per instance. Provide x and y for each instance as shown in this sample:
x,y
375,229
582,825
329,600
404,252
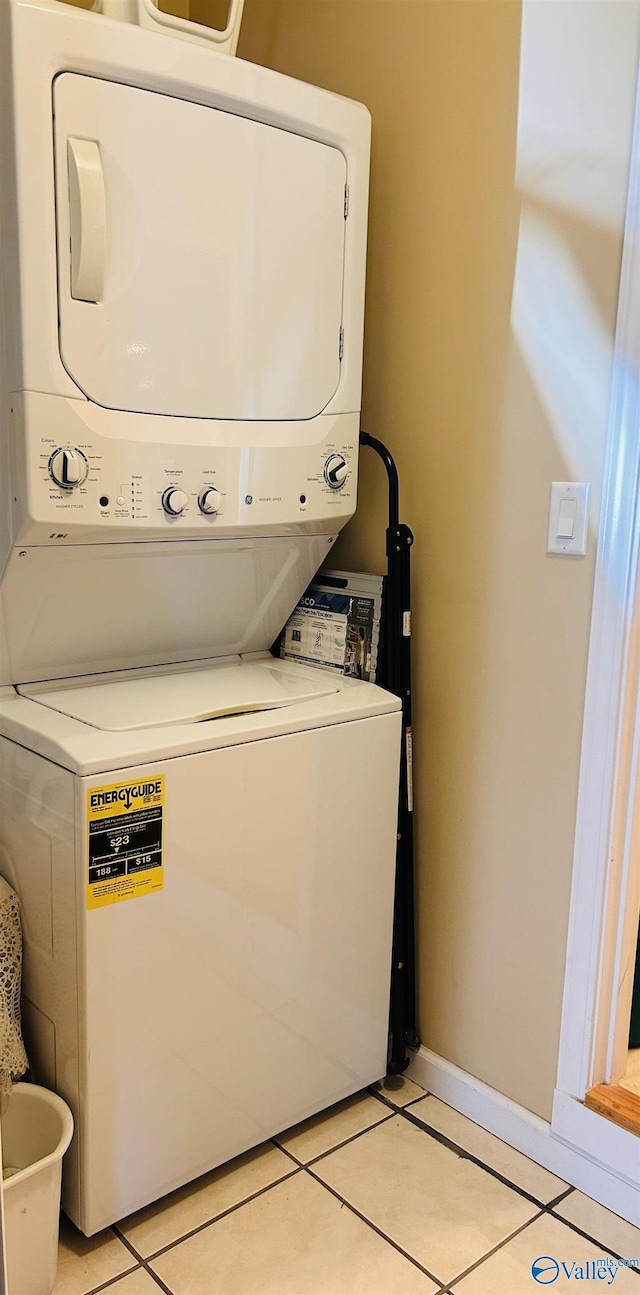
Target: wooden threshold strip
x,y
617,1104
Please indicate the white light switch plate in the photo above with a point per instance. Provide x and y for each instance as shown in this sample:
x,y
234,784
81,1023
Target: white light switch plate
x,y
569,500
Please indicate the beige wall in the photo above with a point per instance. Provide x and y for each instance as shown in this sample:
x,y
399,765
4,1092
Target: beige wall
x,y
490,315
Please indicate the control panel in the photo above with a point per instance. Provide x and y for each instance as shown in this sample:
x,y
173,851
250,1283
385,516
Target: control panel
x,y
83,484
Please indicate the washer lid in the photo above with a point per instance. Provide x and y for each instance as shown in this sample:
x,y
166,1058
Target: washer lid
x,y
191,696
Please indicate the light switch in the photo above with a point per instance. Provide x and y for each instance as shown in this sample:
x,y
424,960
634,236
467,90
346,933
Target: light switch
x,y
569,518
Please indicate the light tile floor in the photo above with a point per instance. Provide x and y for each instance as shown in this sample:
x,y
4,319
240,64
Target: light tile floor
x,y
388,1193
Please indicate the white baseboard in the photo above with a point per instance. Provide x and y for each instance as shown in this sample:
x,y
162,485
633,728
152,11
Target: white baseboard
x,y
604,1166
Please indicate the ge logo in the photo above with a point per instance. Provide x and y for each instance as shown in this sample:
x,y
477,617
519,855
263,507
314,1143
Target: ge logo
x,y
545,1270
248,499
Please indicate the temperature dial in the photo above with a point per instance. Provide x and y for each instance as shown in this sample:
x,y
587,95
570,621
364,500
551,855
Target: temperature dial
x,y
209,500
68,468
174,501
335,471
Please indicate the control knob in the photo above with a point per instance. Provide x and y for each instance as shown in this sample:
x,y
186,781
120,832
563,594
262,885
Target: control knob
x,y
68,468
174,501
336,469
209,500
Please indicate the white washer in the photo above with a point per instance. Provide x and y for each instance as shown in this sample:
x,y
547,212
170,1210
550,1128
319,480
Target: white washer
x,y
244,984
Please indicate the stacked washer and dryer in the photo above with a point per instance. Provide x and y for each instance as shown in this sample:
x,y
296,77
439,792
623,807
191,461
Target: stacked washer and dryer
x,y
202,836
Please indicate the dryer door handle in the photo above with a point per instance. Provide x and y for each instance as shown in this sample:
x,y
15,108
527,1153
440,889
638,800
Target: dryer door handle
x,y
87,219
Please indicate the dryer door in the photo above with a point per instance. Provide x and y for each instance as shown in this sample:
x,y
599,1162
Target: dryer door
x,y
200,256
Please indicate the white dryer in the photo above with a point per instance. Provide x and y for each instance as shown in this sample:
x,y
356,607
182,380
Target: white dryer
x,y
202,837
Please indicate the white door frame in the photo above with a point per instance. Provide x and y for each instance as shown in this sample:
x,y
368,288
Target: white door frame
x,y
605,896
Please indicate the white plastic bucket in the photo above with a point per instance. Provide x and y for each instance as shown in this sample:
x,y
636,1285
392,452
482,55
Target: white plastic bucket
x,y
37,1127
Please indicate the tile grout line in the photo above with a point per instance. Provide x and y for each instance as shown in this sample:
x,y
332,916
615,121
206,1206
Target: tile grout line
x,y
550,1205
373,1226
586,1236
171,1245
304,1164
468,1155
448,1289
352,1209
105,1286
386,1101
144,1264
285,1151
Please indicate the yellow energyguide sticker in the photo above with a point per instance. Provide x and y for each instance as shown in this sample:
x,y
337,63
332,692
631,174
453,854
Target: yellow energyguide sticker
x,y
124,840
